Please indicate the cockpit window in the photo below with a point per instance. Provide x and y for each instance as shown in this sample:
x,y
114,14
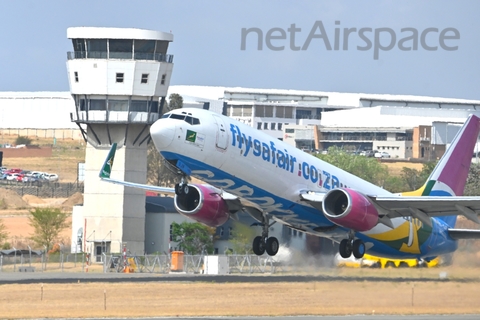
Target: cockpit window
x,y
188,119
177,116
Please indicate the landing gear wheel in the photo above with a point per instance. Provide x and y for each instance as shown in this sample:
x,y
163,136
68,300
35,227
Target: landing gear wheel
x,y
345,250
181,189
358,249
258,246
272,246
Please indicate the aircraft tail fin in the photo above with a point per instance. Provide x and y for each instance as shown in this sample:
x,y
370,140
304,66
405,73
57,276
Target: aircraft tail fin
x,y
450,174
108,164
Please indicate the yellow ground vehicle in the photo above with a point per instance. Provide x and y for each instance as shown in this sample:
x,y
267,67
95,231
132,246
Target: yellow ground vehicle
x,y
400,263
379,262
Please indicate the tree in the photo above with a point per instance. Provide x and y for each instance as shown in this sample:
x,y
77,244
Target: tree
x,y
47,224
411,177
23,140
176,101
369,169
242,238
157,171
472,187
414,178
193,238
3,234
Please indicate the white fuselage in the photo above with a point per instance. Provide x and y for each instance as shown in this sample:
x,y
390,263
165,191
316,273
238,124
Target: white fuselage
x,y
251,164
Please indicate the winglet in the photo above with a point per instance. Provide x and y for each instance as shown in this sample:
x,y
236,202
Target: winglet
x,y
108,164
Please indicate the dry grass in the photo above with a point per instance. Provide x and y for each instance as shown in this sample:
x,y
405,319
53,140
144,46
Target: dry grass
x,y
236,299
395,168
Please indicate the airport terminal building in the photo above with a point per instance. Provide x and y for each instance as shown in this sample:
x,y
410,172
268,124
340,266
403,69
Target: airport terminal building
x,y
405,126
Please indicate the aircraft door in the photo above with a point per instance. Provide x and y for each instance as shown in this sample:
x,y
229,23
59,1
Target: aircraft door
x,y
222,135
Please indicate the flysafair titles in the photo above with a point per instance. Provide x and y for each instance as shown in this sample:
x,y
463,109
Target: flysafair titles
x,y
268,152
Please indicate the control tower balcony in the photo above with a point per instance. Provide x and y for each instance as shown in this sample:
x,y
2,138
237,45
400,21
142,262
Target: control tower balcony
x,y
119,117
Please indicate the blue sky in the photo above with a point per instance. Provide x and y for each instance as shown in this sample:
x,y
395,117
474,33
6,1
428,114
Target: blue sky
x,y
208,36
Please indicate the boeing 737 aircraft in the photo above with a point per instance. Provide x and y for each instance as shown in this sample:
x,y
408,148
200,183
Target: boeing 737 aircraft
x,y
247,170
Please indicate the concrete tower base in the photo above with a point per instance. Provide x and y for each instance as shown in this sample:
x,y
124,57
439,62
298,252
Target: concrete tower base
x,y
114,214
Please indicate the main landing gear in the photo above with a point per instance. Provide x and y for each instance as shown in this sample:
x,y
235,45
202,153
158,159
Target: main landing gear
x,y
181,188
351,246
264,243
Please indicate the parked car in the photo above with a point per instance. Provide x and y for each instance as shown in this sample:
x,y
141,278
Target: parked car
x,y
12,176
382,154
369,153
14,170
50,177
32,180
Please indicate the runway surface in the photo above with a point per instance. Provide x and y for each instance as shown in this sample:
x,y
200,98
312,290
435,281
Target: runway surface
x,y
70,277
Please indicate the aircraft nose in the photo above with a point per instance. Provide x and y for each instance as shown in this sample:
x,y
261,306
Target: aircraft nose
x,y
162,134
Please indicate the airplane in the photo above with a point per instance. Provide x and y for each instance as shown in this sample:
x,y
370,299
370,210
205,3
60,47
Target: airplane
x,y
246,170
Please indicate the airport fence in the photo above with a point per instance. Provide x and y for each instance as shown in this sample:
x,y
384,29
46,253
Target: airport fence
x,y
44,190
37,261
192,264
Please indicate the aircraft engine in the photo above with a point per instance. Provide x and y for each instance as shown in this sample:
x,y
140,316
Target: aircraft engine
x,y
350,209
203,204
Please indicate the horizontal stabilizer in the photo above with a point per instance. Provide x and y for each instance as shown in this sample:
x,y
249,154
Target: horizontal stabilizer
x,y
459,234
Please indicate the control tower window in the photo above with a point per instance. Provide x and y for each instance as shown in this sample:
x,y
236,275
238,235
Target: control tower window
x,y
97,48
76,76
144,78
118,105
144,49
119,77
79,48
161,47
78,45
120,48
97,104
139,106
154,106
164,76
82,104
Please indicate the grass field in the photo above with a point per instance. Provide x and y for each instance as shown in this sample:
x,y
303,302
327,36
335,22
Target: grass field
x,y
149,299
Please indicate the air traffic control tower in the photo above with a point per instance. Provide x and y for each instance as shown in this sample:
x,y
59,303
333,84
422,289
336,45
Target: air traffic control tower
x,y
119,79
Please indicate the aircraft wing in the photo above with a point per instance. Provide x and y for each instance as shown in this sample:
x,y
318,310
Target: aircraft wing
x,y
234,203
426,207
163,190
107,169
422,208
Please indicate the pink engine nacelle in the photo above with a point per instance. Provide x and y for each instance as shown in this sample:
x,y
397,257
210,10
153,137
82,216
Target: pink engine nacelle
x,y
203,204
350,209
